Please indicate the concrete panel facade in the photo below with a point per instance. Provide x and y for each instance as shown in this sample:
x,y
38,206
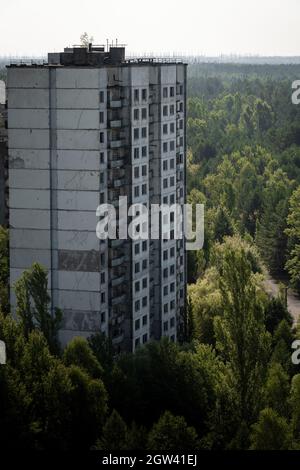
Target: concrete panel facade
x,y
77,99
78,181
29,159
77,119
27,238
29,199
29,218
29,179
79,136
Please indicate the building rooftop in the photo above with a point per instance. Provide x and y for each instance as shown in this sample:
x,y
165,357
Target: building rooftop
x,y
95,56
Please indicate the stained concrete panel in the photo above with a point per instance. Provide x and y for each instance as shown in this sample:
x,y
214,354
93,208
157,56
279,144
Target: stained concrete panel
x,y
78,159
26,238
29,138
83,281
77,200
140,76
75,320
28,118
78,139
74,240
168,74
29,218
27,78
82,261
79,300
77,119
28,98
77,99
29,198
77,220
24,258
77,78
29,179
78,180
29,159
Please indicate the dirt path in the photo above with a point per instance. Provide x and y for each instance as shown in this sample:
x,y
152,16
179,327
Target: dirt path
x,y
293,301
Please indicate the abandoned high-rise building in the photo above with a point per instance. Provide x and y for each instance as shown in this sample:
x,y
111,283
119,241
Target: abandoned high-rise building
x,y
3,158
85,128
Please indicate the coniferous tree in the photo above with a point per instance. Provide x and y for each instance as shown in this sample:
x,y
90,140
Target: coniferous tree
x,y
33,305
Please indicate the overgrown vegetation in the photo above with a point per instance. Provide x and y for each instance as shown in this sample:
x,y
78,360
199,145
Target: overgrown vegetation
x,y
232,384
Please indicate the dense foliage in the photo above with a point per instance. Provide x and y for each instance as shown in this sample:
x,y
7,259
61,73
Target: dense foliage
x,y
231,384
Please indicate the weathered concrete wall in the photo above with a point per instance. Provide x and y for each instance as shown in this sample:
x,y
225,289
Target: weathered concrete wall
x,y
60,168
3,158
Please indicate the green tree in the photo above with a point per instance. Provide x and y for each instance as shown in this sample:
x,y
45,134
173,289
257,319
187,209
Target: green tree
x,y
114,436
102,347
293,234
277,389
282,340
141,391
4,271
241,338
33,305
78,353
271,237
172,434
205,304
88,408
271,432
275,312
294,402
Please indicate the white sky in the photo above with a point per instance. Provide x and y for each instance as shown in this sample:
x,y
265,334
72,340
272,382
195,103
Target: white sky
x,y
209,27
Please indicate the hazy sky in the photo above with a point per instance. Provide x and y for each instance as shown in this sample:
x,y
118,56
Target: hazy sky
x,y
210,27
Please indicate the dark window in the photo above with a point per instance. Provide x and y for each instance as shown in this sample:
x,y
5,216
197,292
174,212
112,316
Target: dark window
x,y
144,113
144,94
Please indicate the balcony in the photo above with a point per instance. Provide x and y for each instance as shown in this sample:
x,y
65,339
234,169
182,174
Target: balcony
x,y
118,182
117,242
115,104
118,280
115,124
119,300
114,144
116,163
117,261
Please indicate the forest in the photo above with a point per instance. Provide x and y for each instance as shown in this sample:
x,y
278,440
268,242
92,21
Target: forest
x,y
229,383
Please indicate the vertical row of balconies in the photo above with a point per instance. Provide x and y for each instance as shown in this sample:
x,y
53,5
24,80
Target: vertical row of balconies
x,y
118,132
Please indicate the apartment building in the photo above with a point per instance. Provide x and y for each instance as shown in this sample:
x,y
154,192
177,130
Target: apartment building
x,y
84,129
